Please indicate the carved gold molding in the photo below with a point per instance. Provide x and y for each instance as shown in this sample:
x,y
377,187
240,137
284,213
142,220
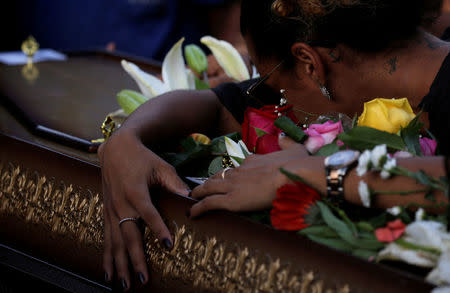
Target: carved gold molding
x,y
204,263
64,209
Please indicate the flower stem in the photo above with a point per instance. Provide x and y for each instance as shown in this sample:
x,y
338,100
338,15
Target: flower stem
x,y
400,192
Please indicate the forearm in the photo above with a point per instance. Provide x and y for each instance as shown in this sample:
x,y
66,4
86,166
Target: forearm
x,y
313,171
177,114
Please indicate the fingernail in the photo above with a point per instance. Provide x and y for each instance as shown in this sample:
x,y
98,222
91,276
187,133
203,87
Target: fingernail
x,y
282,134
124,284
106,277
167,243
141,278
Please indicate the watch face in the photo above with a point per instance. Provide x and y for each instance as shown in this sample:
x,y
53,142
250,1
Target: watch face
x,y
342,158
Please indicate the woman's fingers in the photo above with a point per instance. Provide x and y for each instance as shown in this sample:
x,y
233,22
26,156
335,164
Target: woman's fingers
x,y
133,240
214,185
170,180
147,211
213,202
120,254
108,263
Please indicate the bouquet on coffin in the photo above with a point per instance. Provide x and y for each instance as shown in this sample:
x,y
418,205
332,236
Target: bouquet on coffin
x,y
386,130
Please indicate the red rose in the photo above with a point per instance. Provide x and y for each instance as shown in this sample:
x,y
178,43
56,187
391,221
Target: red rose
x,y
291,205
263,119
391,232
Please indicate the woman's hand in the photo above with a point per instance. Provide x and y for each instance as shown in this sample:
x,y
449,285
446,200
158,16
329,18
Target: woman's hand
x,y
252,186
128,169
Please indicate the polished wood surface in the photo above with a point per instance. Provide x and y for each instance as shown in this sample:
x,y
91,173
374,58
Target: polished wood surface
x,y
68,100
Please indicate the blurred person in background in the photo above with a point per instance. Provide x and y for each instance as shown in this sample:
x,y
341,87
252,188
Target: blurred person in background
x,y
146,28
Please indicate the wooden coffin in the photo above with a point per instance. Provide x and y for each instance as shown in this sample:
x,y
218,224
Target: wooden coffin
x,y
51,208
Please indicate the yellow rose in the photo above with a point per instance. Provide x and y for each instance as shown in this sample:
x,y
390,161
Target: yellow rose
x,y
201,138
388,115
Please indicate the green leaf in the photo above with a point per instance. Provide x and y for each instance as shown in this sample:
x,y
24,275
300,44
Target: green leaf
x,y
344,231
411,135
200,84
362,138
215,166
291,130
335,243
365,226
339,226
379,221
430,196
292,176
364,253
188,144
355,120
320,231
259,132
327,150
414,246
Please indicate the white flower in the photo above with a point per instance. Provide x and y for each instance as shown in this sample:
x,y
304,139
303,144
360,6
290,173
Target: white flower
x,y
441,273
395,211
236,150
420,214
364,193
441,290
430,234
419,258
227,57
363,163
378,153
174,73
387,168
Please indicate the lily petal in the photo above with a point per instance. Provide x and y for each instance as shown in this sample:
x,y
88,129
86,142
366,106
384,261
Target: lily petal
x,y
419,258
174,69
149,85
233,150
191,79
227,57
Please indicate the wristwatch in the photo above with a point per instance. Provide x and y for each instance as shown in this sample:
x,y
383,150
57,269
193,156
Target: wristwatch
x,y
336,166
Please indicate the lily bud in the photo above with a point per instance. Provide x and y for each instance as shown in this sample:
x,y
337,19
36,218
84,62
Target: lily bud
x,y
196,58
130,100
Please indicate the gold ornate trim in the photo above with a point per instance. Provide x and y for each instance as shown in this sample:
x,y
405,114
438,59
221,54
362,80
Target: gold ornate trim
x,y
212,265
64,209
202,262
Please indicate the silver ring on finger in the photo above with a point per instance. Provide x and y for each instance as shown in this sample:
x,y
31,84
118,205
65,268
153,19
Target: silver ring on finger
x,y
225,171
127,219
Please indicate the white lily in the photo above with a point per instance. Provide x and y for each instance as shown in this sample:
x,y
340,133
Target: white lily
x,y
441,290
441,273
395,211
227,57
236,150
419,258
174,73
428,233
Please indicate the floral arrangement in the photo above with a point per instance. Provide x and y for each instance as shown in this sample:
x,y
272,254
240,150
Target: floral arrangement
x,y
387,130
395,234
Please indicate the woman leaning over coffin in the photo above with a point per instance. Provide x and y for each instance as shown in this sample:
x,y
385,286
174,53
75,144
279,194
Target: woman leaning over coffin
x,y
329,56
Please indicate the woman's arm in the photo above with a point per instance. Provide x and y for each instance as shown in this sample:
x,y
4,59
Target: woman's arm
x,y
313,171
129,168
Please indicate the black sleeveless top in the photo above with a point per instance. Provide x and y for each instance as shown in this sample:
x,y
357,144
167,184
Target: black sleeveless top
x,y
437,102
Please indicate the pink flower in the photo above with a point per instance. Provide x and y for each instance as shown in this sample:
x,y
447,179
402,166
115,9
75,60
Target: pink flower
x,y
428,146
321,134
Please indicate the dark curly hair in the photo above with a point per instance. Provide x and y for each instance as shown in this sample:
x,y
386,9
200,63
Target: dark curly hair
x,y
365,25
